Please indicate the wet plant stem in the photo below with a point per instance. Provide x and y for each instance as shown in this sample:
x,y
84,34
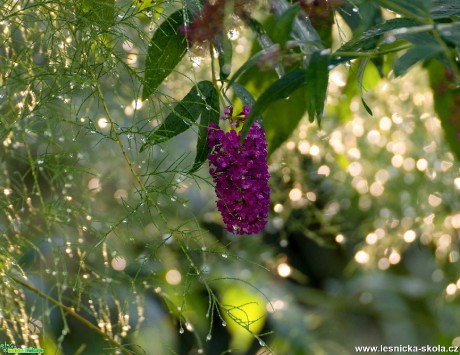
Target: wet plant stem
x,y
70,311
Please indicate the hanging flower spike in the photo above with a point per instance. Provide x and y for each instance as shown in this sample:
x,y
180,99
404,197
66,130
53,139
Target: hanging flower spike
x,y
240,174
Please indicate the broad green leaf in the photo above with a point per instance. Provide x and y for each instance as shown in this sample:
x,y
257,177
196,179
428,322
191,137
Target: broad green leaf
x,y
244,95
371,38
264,34
166,50
199,101
361,71
280,89
360,16
317,75
224,51
302,28
100,12
282,117
208,115
445,9
419,9
452,35
246,98
250,63
446,103
414,55
283,26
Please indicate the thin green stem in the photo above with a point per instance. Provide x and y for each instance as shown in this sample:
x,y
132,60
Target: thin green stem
x,y
213,75
371,54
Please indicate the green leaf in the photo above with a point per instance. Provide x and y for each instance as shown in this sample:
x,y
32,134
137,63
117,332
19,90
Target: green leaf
x,y
250,63
361,71
166,50
224,50
445,9
100,12
452,35
210,114
283,26
246,98
280,89
317,76
413,56
199,101
446,103
244,95
360,17
371,38
282,117
413,8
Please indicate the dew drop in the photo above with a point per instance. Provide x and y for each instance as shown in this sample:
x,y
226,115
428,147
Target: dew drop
x,y
262,343
225,256
208,337
181,330
224,324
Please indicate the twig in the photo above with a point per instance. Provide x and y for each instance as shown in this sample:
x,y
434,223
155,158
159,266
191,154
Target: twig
x,y
72,313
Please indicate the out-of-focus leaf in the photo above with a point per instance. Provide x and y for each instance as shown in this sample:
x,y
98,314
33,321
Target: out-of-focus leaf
x,y
224,50
264,38
210,114
198,102
281,116
321,16
452,35
243,311
413,56
250,63
302,28
361,70
166,50
446,103
360,17
412,8
283,25
244,95
445,9
317,76
371,38
280,89
100,12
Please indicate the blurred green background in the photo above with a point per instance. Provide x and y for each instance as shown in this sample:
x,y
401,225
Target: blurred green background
x,y
362,242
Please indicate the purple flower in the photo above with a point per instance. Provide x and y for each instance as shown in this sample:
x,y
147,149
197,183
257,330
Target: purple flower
x,y
240,174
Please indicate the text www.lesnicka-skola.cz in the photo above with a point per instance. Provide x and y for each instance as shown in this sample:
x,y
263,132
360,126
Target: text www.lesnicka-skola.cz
x,y
407,349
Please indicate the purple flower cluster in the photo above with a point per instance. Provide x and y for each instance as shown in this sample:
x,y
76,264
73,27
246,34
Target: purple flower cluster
x,y
240,174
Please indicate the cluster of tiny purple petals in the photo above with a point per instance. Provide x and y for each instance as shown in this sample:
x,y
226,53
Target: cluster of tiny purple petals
x,y
240,174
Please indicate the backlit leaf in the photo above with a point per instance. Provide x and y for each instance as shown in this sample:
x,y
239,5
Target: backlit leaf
x,y
166,50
